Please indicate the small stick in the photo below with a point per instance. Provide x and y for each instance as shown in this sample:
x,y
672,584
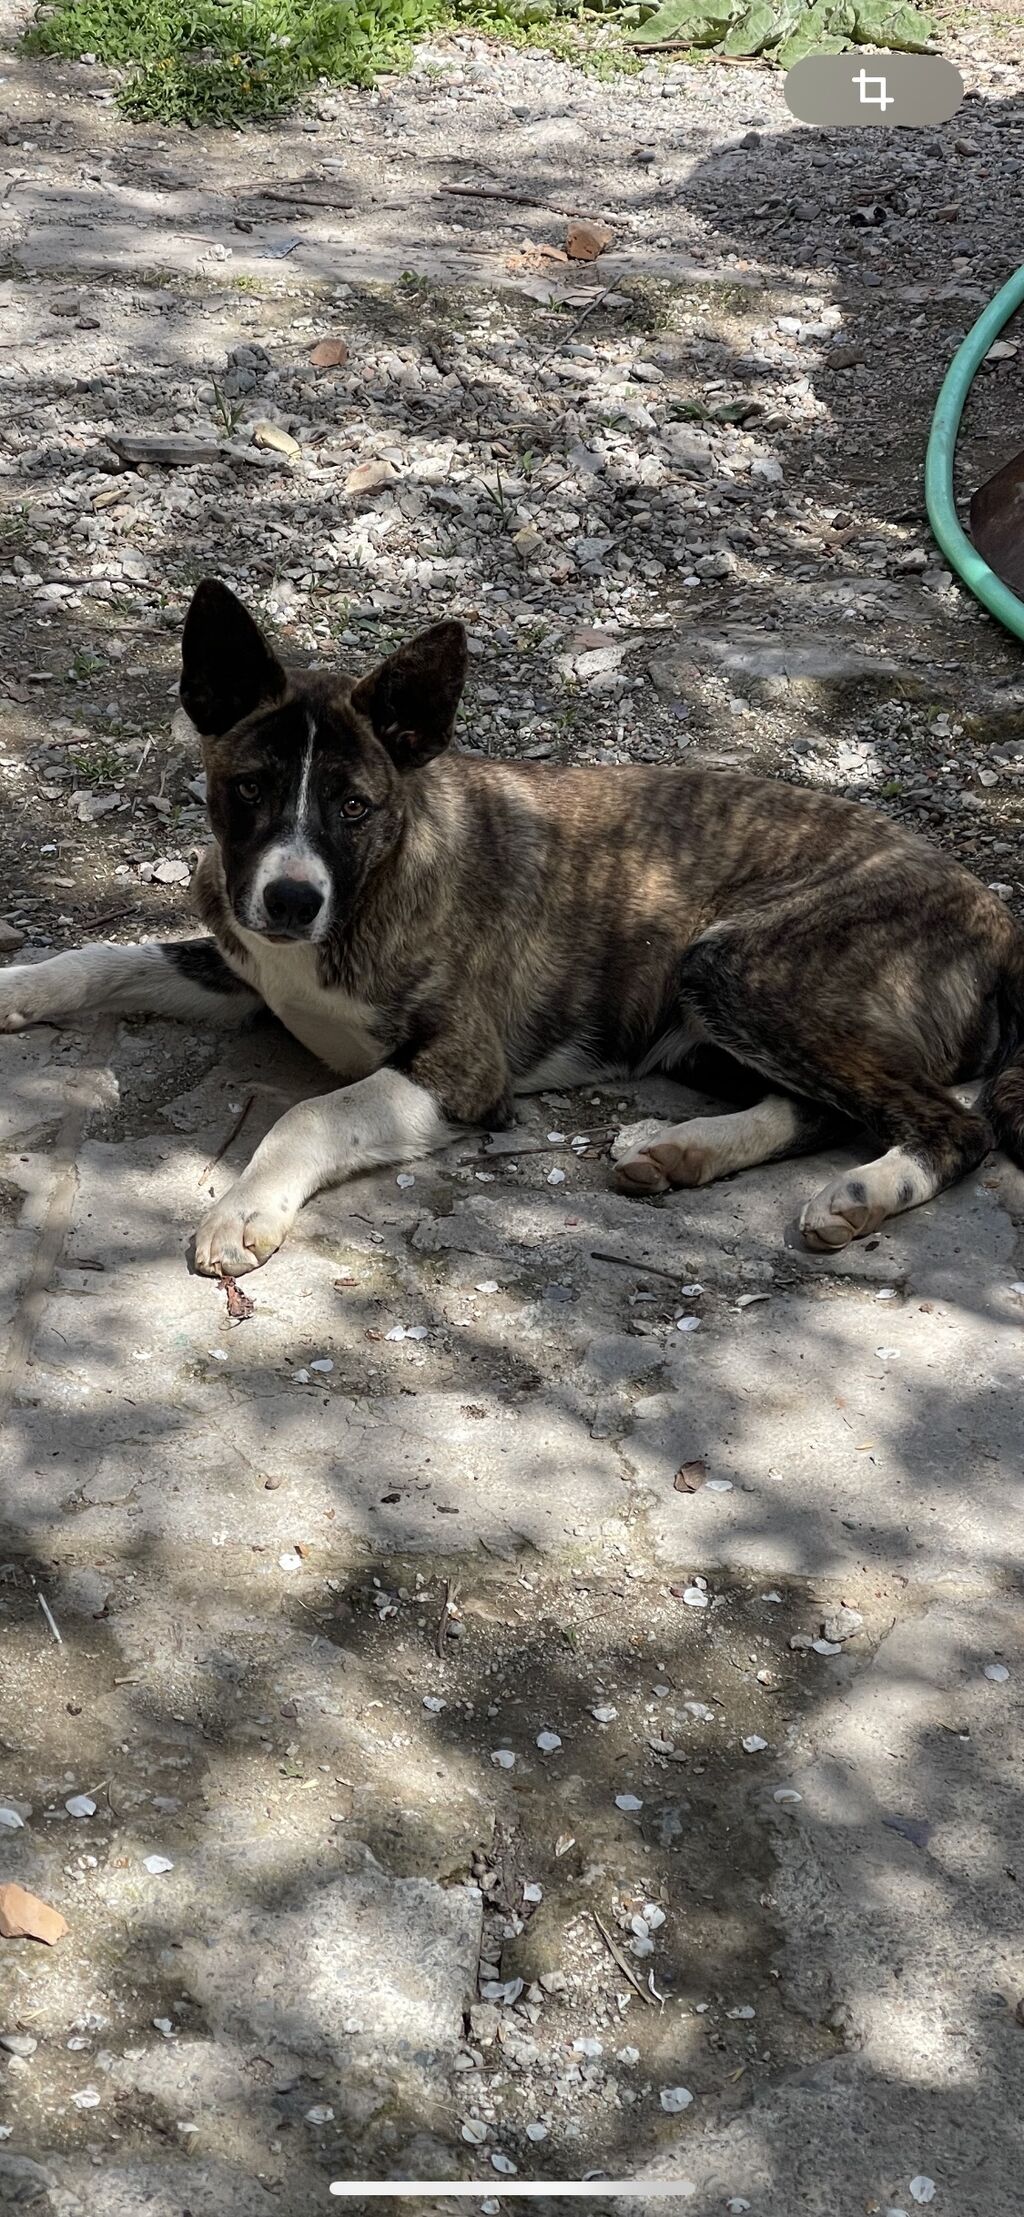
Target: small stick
x,y
617,1956
574,327
498,192
232,1134
450,1592
628,1262
49,1615
113,916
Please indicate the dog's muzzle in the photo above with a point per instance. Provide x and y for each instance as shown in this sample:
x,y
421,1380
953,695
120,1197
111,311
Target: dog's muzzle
x,y
291,907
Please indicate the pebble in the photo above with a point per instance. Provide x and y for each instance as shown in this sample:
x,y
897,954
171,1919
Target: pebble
x,y
80,1805
997,1672
548,1742
629,1802
21,2044
157,1864
675,2098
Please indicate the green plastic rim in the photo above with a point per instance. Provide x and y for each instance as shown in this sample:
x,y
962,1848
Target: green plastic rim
x,y
962,557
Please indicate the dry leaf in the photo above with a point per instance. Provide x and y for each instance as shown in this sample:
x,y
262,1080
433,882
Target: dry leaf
x,y
585,241
239,1304
690,1477
24,1917
329,354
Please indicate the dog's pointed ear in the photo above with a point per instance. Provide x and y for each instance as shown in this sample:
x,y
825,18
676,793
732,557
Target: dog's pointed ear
x,y
411,699
227,668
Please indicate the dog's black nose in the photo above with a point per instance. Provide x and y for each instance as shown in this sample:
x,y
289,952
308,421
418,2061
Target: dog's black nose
x,y
291,904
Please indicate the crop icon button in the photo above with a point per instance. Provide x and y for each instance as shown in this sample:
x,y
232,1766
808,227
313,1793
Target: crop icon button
x,y
887,88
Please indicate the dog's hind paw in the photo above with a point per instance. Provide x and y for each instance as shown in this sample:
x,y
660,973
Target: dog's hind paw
x,y
240,1232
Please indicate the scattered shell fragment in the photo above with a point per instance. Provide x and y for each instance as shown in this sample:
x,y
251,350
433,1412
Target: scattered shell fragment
x,y
922,2189
474,2132
503,1758
80,1805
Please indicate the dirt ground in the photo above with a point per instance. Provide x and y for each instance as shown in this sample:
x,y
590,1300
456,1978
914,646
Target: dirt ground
x,y
677,498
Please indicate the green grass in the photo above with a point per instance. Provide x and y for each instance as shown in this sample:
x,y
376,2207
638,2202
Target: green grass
x,y
229,61
241,61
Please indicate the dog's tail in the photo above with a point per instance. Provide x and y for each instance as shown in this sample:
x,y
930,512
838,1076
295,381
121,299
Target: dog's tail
x,y
1002,1100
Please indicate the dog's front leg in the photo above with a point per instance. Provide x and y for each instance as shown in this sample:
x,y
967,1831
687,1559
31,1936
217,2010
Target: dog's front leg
x,y
382,1119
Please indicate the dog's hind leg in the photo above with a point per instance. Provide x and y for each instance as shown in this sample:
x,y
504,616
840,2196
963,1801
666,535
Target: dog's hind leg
x,y
187,978
838,1049
714,1146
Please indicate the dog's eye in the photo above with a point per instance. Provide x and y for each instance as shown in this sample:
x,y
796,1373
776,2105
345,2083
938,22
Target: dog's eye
x,y
248,789
353,809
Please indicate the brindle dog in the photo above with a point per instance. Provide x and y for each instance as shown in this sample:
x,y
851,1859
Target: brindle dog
x,y
445,932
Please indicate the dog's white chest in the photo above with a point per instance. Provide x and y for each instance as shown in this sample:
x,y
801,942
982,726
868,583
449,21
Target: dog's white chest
x,y
335,1028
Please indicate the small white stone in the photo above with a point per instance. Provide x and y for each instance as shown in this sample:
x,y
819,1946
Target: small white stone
x,y
533,1893
604,1713
629,1802
434,1703
549,1742
827,1647
691,1293
744,2013
405,1179
80,1805
687,1324
675,2098
753,1744
487,1285
323,1364
289,1560
86,2098
157,1864
537,2131
922,2189
502,2163
695,1597
588,2046
555,1177
320,2114
10,1820
474,2132
627,2055
503,1758
786,1793
997,1672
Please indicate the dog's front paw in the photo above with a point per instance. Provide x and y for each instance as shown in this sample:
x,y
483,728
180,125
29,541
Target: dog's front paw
x,y
242,1231
35,993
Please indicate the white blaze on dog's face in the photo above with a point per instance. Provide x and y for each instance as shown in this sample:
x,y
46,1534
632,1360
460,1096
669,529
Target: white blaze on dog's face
x,y
306,774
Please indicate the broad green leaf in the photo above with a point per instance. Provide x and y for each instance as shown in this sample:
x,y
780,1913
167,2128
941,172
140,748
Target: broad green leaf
x,y
763,25
892,23
825,28
701,22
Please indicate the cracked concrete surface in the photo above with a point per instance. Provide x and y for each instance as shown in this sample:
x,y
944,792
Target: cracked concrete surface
x,y
184,1488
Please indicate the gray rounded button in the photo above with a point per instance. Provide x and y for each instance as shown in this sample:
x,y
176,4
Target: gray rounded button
x,y
873,88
